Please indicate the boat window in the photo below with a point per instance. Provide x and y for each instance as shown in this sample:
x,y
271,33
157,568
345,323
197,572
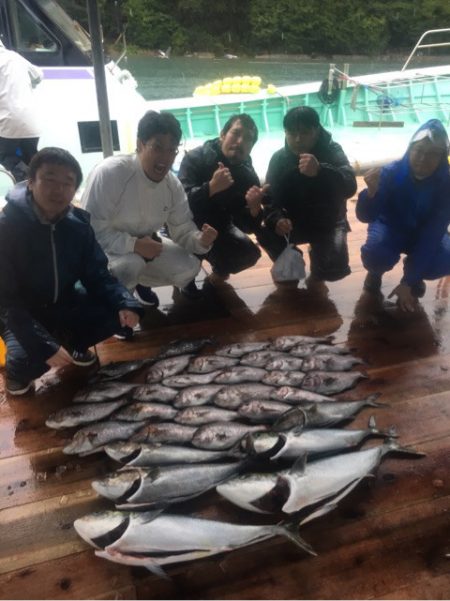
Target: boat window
x,y
30,35
72,29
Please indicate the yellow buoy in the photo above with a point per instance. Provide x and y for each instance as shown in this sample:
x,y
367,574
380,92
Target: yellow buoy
x,y
271,89
256,80
236,88
237,79
225,88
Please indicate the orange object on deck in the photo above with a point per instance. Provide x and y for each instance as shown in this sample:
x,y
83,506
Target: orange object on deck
x,y
2,353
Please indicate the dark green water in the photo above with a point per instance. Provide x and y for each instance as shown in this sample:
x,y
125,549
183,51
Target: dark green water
x,y
178,77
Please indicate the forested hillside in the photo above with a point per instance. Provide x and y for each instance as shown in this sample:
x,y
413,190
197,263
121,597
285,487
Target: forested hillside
x,y
263,26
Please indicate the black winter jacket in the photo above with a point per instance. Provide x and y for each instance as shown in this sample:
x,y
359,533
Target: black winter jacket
x,y
40,264
227,207
312,203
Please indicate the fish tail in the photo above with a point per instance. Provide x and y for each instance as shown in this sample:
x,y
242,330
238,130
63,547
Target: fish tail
x,y
290,531
392,446
371,400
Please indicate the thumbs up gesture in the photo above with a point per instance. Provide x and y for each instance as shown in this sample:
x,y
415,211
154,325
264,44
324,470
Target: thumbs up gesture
x,y
221,180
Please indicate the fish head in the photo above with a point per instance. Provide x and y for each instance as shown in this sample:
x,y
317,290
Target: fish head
x,y
118,484
122,450
95,526
83,441
260,443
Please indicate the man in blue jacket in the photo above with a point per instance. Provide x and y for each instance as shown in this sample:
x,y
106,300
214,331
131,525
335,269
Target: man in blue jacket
x,y
57,297
407,207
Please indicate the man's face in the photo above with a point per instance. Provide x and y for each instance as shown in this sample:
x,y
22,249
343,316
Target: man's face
x,y
53,189
237,143
157,155
302,139
424,158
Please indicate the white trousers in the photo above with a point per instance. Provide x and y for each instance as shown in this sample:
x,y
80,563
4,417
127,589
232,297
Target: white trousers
x,y
174,267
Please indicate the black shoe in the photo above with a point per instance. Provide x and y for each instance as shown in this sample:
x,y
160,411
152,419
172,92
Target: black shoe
x,y
146,296
127,333
17,388
372,283
191,291
418,289
83,359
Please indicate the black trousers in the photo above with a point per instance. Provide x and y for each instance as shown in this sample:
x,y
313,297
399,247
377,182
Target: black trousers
x,y
16,154
76,325
328,250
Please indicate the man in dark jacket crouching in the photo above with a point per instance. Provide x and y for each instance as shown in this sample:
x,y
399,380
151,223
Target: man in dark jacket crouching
x,y
310,180
57,297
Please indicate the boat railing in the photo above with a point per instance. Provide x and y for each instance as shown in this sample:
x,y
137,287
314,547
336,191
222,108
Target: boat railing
x,y
419,44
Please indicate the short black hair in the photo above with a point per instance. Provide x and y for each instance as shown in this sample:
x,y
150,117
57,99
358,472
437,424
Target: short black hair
x,y
55,156
153,123
246,121
301,116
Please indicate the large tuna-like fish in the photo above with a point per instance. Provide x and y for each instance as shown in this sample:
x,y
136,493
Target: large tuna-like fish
x,y
135,454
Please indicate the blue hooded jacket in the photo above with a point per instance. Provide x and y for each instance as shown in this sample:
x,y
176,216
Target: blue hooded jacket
x,y
418,208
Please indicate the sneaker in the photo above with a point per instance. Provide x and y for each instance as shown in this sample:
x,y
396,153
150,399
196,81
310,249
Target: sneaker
x,y
372,283
83,359
146,296
191,291
127,333
17,388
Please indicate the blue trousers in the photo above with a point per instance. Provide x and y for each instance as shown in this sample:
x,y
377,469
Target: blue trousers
x,y
383,247
77,325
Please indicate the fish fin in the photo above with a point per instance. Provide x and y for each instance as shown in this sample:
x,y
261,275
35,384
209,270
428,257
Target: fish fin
x,y
392,446
371,401
392,432
300,415
290,531
372,425
134,560
299,465
239,450
320,512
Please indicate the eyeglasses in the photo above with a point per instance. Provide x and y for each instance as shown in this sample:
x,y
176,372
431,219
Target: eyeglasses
x,y
159,149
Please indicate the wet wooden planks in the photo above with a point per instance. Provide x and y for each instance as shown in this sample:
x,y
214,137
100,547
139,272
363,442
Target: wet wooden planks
x,y
388,539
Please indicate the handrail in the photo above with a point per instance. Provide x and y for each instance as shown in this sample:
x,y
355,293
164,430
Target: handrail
x,y
8,173
419,45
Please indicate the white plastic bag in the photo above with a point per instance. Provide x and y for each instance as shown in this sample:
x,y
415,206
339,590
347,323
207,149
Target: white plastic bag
x,y
289,265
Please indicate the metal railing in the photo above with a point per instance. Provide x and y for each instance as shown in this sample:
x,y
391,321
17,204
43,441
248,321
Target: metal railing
x,y
419,44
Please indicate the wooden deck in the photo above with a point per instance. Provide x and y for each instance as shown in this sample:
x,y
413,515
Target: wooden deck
x,y
387,540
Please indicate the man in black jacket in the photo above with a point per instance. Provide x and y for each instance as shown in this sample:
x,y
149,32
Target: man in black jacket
x,y
310,180
224,191
57,297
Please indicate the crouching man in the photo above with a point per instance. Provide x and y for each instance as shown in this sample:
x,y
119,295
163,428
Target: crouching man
x,y
57,297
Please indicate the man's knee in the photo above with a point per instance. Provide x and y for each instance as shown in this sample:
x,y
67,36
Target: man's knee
x,y
127,269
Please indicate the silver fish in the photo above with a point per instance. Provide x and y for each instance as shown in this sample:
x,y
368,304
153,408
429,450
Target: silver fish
x,y
144,455
330,382
154,392
285,364
230,397
306,350
240,373
261,358
167,367
138,411
184,347
208,363
132,537
291,395
285,343
91,439
118,369
221,435
284,378
197,416
103,392
139,487
82,413
292,444
262,411
166,432
324,413
330,363
196,395
247,489
241,348
184,380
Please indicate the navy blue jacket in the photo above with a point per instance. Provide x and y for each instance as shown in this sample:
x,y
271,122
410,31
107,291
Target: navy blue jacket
x,y
40,264
419,209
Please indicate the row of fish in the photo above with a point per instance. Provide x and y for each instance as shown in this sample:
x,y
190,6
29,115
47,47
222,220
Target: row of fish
x,y
242,421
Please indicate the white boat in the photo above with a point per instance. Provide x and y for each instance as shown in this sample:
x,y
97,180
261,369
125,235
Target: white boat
x,y
372,116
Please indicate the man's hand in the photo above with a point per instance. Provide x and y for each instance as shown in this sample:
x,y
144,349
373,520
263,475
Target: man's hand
x,y
147,248
372,179
254,197
308,165
221,180
405,300
60,359
128,318
209,234
283,227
